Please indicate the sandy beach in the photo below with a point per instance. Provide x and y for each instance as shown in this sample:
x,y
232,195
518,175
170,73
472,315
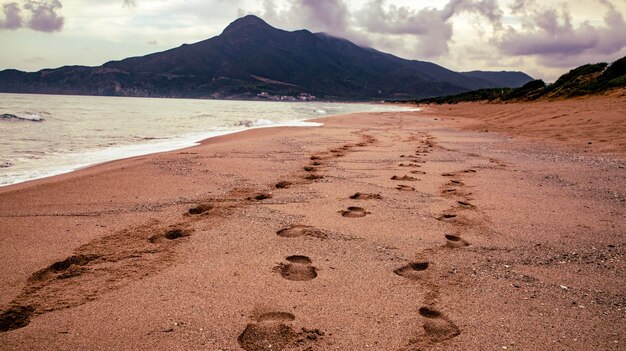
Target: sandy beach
x,y
465,227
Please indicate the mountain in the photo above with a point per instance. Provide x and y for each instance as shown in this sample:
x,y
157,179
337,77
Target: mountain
x,y
588,79
501,79
252,59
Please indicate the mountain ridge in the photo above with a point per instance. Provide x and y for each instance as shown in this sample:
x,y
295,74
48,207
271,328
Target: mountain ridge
x,y
589,79
229,66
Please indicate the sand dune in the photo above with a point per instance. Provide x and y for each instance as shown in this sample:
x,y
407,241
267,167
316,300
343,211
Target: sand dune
x,y
590,124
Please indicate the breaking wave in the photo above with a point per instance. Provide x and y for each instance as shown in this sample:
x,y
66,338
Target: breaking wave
x,y
25,116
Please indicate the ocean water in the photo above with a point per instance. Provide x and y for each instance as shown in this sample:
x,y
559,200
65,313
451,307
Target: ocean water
x,y
46,135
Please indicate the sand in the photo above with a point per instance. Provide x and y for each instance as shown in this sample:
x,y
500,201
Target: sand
x,y
381,231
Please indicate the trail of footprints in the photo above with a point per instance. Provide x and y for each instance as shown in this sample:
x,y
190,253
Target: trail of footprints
x,y
147,249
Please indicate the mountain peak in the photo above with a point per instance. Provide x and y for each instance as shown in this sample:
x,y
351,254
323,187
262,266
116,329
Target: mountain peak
x,y
249,21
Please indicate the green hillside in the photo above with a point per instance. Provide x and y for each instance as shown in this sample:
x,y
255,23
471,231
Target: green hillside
x,y
584,80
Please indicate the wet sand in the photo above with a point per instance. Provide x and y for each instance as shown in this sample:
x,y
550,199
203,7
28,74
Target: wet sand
x,y
382,231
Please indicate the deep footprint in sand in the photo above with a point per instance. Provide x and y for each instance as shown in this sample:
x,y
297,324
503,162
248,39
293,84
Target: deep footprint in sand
x,y
313,177
409,165
272,331
200,209
402,187
404,178
261,197
465,204
366,196
298,268
447,217
170,234
354,212
16,317
455,241
283,185
437,327
69,267
295,231
412,270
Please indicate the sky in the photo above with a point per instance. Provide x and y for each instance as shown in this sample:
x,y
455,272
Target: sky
x,y
544,38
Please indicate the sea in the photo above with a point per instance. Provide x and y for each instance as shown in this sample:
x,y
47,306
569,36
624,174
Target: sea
x,y
47,135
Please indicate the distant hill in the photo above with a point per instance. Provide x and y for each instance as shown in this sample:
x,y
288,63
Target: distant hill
x,y
584,80
253,60
501,79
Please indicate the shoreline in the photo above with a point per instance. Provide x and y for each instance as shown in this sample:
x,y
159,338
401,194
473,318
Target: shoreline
x,y
400,226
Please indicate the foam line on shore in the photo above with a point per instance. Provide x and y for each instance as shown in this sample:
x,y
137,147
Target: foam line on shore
x,y
66,163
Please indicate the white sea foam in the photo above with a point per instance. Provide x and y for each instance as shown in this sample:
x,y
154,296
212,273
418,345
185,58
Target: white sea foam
x,y
91,130
23,116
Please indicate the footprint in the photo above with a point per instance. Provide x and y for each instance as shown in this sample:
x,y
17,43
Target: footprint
x,y
447,217
272,331
403,187
316,163
313,177
354,212
16,317
404,178
409,165
295,231
309,168
283,184
437,327
455,241
366,196
269,333
465,204
338,152
200,209
315,157
412,270
456,182
418,172
448,174
69,267
261,196
469,171
171,234
299,268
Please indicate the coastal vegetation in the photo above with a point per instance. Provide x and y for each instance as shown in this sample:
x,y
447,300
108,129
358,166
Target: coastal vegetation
x,y
588,79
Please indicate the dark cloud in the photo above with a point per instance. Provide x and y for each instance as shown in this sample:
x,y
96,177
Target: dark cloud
x,y
373,23
318,15
37,15
12,16
550,35
432,27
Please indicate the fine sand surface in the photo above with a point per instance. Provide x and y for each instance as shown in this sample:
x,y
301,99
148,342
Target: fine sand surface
x,y
381,231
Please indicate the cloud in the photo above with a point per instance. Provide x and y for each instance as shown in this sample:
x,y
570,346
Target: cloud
x,y
12,17
375,22
318,15
44,17
550,34
129,3
37,15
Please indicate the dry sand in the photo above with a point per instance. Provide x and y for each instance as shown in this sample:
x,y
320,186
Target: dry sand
x,y
382,231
